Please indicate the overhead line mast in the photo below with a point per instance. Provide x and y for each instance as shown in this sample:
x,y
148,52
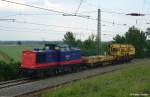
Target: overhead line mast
x,y
99,33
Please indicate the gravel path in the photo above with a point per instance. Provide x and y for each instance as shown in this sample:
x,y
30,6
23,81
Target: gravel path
x,y
55,81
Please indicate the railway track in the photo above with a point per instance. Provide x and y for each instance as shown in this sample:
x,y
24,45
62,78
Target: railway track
x,y
12,83
28,89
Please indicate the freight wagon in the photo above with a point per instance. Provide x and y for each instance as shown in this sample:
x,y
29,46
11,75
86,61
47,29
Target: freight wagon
x,y
117,53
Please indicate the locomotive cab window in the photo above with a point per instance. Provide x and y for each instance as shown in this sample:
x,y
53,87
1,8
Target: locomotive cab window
x,y
40,58
57,48
64,48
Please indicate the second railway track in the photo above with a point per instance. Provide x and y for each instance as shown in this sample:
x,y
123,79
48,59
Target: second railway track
x,y
12,83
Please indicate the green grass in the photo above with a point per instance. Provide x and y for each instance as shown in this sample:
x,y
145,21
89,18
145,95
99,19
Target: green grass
x,y
135,79
14,51
4,57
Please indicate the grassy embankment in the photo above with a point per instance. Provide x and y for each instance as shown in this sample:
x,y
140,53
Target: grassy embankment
x,y
135,79
10,58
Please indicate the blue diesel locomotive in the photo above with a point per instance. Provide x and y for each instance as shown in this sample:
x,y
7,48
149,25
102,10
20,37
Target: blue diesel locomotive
x,y
51,59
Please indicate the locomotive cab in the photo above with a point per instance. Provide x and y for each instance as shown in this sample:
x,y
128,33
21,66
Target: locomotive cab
x,y
38,58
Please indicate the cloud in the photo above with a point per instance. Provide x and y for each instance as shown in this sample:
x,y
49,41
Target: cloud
x,y
51,5
42,3
12,7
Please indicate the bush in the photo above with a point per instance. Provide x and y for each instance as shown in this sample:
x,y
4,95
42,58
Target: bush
x,y
9,71
88,52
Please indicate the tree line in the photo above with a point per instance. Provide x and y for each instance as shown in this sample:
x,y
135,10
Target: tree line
x,y
134,36
88,46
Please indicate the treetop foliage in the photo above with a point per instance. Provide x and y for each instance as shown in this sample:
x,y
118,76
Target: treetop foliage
x,y
88,46
137,38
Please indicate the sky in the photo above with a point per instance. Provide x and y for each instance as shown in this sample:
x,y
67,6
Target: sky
x,y
36,24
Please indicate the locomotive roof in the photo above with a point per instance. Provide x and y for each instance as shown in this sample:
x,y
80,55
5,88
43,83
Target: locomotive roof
x,y
59,45
64,47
